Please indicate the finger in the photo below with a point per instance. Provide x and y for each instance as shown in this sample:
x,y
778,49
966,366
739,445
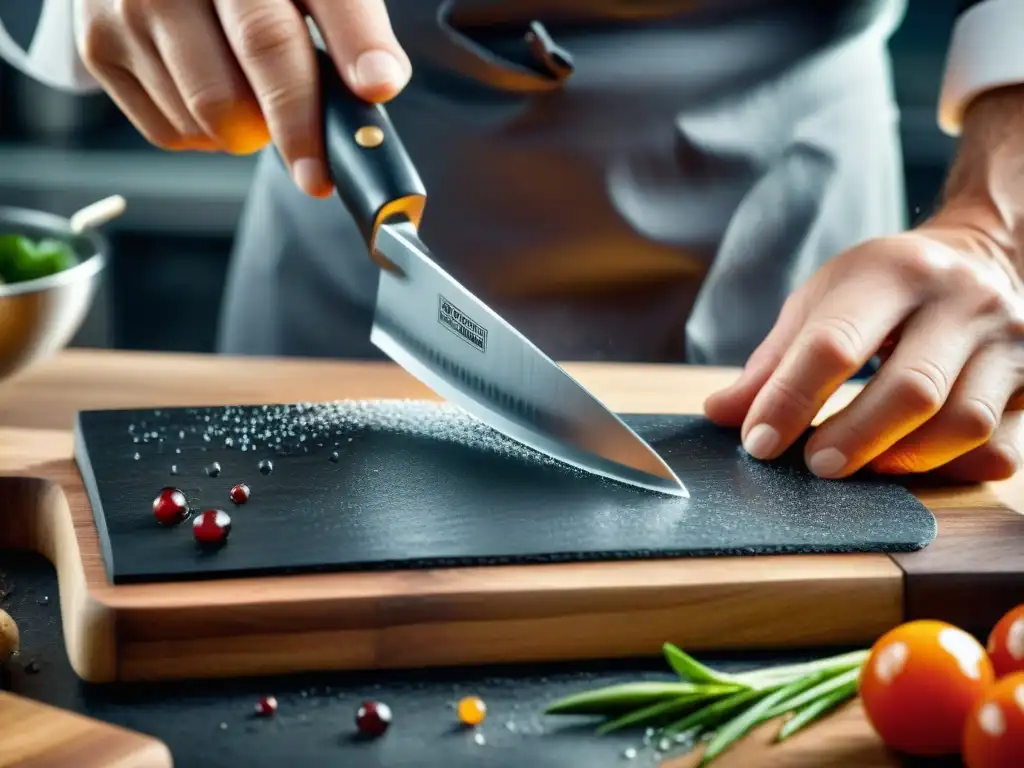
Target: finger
x,y
838,338
728,407
133,100
271,43
107,55
998,459
969,418
205,73
358,35
910,389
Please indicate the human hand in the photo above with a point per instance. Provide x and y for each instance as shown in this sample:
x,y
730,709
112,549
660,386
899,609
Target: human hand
x,y
943,307
232,75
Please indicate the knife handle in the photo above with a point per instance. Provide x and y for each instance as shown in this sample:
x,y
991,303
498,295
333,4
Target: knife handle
x,y
371,170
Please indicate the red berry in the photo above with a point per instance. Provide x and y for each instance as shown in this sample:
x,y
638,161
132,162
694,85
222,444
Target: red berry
x,y
212,527
170,507
266,706
240,493
373,718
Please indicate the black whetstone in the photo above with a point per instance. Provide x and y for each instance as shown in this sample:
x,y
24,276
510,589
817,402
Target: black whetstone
x,y
419,484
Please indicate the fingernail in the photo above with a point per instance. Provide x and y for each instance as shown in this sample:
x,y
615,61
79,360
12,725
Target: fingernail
x,y
826,462
761,441
309,176
375,70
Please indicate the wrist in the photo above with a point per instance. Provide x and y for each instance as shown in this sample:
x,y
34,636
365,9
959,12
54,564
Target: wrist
x,y
984,192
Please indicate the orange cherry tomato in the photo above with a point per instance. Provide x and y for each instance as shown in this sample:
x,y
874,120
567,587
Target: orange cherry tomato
x,y
1006,643
919,683
994,733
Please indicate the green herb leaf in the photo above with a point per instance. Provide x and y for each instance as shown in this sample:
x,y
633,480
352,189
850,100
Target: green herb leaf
x,y
691,670
738,727
710,716
771,675
822,689
659,711
817,709
616,698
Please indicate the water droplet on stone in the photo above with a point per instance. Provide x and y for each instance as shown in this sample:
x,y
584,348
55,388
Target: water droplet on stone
x,y
136,457
223,726
32,668
174,469
213,469
629,753
479,739
334,456
44,600
266,466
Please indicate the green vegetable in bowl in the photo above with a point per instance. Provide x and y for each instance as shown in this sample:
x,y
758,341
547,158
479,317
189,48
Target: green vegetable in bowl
x,y
22,258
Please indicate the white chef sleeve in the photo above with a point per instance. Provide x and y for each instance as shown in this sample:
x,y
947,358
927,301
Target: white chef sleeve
x,y
52,57
986,52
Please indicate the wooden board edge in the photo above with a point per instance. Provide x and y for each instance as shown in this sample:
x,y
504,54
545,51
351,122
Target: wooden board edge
x,y
36,734
971,574
447,617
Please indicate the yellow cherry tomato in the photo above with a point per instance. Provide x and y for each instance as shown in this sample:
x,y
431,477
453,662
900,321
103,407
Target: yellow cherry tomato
x,y
472,710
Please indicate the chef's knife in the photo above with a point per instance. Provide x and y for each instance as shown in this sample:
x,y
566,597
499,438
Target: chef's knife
x,y
442,334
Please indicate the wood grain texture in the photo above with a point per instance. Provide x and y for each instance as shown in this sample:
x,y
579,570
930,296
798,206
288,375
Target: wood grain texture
x,y
395,619
36,735
842,740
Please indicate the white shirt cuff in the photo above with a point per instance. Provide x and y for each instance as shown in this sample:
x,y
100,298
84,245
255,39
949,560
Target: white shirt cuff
x,y
52,58
986,52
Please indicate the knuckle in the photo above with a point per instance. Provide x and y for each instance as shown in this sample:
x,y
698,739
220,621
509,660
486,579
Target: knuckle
x,y
99,42
976,420
264,33
923,386
837,342
211,103
792,397
917,264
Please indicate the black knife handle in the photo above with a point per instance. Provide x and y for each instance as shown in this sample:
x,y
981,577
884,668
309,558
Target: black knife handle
x,y
371,170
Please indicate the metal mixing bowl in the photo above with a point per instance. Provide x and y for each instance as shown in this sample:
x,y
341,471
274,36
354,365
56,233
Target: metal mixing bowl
x,y
39,317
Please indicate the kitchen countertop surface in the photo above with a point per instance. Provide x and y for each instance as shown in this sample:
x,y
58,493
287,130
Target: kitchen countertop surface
x,y
210,723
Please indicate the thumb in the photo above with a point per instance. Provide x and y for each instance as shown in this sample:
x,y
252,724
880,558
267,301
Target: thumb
x,y
359,38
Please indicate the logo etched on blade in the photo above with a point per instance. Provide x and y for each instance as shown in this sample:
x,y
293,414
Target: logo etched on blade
x,y
459,323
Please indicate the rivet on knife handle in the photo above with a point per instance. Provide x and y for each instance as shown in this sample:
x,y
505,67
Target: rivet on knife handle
x,y
371,170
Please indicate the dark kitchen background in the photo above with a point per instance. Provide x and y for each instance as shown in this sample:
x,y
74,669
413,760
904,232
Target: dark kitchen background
x,y
170,251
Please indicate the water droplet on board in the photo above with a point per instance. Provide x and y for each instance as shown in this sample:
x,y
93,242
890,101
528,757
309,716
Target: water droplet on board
x,y
44,600
136,457
174,469
629,753
479,739
213,469
266,466
334,457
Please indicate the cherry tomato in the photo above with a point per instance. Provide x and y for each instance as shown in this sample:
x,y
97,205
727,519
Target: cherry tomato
x,y
994,733
1006,643
919,683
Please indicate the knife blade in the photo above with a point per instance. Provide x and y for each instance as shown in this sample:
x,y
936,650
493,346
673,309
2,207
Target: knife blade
x,y
439,332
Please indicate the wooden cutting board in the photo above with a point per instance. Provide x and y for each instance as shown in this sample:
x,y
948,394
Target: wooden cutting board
x,y
35,735
446,616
